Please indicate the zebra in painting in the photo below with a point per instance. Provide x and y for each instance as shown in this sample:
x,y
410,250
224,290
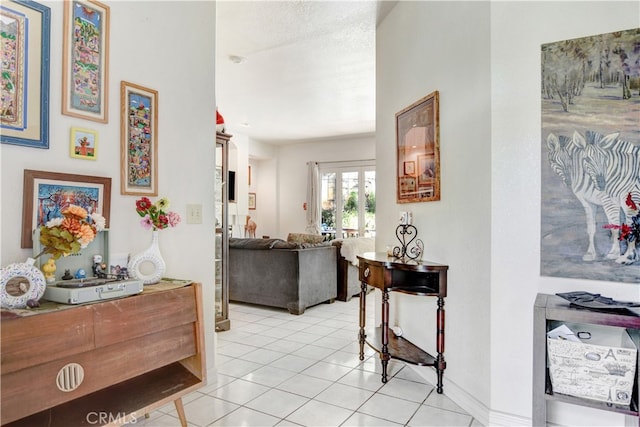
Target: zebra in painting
x,y
613,165
566,159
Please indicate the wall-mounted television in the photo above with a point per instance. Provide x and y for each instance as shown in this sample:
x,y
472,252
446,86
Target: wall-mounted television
x,y
231,196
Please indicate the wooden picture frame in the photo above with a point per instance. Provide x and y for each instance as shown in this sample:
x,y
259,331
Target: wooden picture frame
x,y
418,143
24,108
83,144
45,194
138,140
85,60
252,201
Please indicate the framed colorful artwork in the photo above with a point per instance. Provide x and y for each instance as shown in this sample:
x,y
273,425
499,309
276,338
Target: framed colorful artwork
x,y
85,60
84,144
46,194
252,201
418,143
138,140
24,71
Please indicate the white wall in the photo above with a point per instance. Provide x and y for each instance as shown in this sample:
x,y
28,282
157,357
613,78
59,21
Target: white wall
x,y
484,58
292,173
186,136
518,30
444,46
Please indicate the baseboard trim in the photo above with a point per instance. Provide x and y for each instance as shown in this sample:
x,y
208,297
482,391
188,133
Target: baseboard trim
x,y
470,404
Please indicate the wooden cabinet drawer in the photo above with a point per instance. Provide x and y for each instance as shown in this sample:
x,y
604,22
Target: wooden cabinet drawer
x,y
129,318
33,340
371,274
34,389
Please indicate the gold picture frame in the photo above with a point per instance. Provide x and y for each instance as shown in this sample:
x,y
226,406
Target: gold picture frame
x,y
418,145
138,140
85,60
252,201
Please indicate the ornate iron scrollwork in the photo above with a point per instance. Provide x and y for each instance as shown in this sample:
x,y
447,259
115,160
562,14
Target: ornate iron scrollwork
x,y
410,246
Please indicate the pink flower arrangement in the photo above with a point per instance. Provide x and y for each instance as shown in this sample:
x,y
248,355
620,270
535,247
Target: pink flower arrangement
x,y
155,215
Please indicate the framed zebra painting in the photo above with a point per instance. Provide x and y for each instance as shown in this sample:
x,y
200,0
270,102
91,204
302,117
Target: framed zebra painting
x,y
590,156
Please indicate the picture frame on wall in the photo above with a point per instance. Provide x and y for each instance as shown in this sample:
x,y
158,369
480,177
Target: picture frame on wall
x,y
252,201
138,140
418,145
24,107
85,60
46,194
83,144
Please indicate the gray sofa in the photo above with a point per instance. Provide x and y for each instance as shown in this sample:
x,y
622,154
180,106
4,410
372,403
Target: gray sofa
x,y
276,273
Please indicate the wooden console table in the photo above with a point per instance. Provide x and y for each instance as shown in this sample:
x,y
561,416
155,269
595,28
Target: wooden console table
x,y
106,363
411,277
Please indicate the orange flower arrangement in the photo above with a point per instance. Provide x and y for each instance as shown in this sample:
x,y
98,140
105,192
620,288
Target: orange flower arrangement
x,y
74,231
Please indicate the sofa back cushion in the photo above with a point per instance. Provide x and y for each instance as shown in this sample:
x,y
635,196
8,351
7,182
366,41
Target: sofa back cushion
x,y
238,243
305,238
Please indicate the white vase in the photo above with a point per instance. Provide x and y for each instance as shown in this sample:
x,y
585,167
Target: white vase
x,y
25,282
152,256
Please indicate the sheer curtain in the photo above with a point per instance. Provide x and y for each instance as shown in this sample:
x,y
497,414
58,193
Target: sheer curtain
x,y
313,208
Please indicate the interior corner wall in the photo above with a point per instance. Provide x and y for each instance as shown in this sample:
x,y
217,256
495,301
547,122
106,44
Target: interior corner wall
x,y
186,136
423,47
518,29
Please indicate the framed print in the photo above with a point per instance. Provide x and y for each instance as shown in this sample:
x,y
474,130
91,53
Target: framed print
x,y
24,71
252,201
418,143
46,194
410,168
84,144
138,140
85,60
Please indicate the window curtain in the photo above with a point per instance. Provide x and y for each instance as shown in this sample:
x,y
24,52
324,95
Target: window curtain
x,y
313,198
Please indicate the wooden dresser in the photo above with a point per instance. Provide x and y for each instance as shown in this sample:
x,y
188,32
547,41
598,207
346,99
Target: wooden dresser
x,y
106,363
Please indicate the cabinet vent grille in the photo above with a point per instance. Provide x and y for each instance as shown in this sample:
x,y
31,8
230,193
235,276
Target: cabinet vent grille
x,y
70,377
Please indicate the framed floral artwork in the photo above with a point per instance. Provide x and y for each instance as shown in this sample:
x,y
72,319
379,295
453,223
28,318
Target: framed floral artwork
x,y
47,194
85,60
84,144
252,201
24,105
418,145
138,140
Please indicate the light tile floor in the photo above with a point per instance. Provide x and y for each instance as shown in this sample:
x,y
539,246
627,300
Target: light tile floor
x,y
278,369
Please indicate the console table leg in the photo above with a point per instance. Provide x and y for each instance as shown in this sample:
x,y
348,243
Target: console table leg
x,y
384,355
440,362
363,304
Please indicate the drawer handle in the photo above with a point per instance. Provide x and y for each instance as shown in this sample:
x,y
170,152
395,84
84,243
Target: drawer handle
x,y
70,377
367,272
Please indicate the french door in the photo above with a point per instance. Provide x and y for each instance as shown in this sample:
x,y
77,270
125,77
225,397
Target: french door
x,y
348,199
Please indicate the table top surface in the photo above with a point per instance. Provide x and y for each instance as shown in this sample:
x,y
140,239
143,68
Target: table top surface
x,y
387,261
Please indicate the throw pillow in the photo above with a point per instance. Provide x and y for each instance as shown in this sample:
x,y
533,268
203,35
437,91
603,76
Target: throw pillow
x,y
304,238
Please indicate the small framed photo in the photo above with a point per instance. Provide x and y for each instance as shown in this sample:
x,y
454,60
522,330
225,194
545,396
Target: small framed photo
x,y
418,144
410,168
252,201
138,140
84,144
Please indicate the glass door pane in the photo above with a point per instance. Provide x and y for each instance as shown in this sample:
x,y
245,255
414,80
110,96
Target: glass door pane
x,y
328,204
350,208
369,203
